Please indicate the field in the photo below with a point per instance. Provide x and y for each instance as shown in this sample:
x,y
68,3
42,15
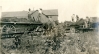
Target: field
x,y
68,43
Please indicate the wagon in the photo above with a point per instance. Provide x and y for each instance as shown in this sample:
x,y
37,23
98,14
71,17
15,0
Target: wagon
x,y
26,22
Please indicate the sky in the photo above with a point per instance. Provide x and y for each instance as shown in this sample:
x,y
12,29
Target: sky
x,y
66,8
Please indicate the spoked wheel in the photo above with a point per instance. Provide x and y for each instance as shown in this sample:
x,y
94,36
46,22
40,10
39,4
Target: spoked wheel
x,y
8,29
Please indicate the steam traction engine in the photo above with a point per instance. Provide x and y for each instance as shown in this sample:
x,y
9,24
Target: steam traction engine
x,y
13,29
84,25
27,22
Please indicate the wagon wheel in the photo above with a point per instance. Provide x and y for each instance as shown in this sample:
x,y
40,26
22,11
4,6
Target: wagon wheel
x,y
8,29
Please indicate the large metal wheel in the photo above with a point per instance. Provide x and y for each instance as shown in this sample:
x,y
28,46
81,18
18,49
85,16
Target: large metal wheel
x,y
8,29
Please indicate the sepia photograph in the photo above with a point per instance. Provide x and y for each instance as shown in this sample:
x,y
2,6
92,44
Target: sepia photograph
x,y
49,27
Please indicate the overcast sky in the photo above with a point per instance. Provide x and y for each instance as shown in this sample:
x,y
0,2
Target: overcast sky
x,y
65,8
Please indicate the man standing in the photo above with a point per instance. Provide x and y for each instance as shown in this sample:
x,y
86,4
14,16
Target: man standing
x,y
73,16
17,42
